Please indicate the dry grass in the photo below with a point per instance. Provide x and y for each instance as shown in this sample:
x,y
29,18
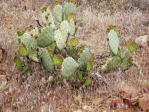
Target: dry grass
x,y
23,93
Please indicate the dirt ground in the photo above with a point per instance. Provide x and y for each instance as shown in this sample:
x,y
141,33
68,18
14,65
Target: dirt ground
x,y
24,94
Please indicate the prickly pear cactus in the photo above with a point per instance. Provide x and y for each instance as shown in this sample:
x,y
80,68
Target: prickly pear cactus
x,y
111,64
35,32
113,41
90,63
58,59
33,56
125,60
47,60
72,27
23,51
74,42
53,44
120,59
69,8
46,37
60,39
31,46
47,17
84,57
28,41
64,28
58,12
69,66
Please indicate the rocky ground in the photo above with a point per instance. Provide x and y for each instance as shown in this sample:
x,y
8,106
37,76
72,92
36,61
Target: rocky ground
x,y
24,94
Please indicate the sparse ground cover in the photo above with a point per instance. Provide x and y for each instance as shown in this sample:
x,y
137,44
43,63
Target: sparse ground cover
x,y
24,93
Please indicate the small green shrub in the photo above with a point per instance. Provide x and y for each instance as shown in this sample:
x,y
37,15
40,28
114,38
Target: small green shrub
x,y
118,59
55,46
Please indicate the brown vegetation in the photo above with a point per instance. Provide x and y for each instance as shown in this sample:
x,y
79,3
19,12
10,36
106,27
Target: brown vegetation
x,y
25,94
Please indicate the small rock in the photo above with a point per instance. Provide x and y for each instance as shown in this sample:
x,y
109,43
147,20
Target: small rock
x,y
3,81
78,110
126,91
144,102
88,108
129,95
142,41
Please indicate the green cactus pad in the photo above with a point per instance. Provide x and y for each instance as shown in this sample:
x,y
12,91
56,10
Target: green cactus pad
x,y
47,60
119,52
71,16
72,51
72,27
132,47
60,40
84,57
28,41
69,8
69,66
58,59
47,17
111,64
51,21
35,31
80,76
125,61
113,41
90,63
74,42
43,16
19,63
88,82
113,27
64,28
46,37
23,51
20,33
33,56
52,48
31,45
58,12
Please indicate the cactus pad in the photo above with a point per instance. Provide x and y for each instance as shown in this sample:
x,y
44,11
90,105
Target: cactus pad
x,y
69,8
125,60
72,27
84,57
60,40
64,28
113,41
69,66
111,64
46,37
74,42
58,12
58,59
28,41
47,60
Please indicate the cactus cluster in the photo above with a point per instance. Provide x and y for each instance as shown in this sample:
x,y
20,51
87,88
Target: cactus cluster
x,y
119,59
54,44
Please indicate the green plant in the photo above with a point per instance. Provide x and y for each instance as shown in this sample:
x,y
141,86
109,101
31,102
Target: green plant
x,y
119,59
55,46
